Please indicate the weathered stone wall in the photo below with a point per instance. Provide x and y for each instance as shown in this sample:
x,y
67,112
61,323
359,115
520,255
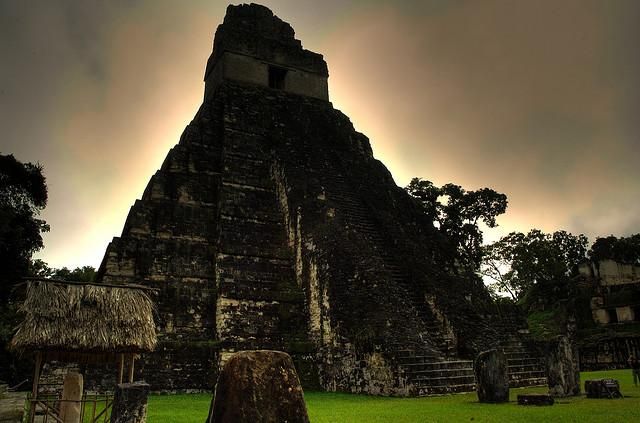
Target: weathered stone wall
x,y
610,273
613,273
252,39
168,241
271,225
608,353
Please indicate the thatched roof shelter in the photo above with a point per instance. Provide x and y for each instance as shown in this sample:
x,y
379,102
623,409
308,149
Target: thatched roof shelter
x,y
84,321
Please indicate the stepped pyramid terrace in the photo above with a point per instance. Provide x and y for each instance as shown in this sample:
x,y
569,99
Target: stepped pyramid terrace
x,y
270,225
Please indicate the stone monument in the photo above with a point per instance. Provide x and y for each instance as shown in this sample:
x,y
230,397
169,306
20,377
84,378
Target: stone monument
x,y
270,225
258,386
492,379
562,368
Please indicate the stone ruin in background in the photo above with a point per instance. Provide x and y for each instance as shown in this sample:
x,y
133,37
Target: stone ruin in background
x,y
270,225
615,311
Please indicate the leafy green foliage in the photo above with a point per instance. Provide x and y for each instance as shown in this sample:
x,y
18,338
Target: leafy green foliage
x,y
457,214
544,325
536,265
23,195
41,269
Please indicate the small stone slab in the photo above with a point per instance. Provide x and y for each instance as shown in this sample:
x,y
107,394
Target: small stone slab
x,y
535,399
258,387
602,388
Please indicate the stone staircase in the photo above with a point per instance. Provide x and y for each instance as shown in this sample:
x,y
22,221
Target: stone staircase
x,y
524,370
430,372
431,375
259,304
427,370
354,213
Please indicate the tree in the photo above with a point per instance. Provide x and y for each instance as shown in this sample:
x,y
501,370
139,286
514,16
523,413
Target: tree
x,y
79,274
623,250
457,214
535,265
23,195
41,269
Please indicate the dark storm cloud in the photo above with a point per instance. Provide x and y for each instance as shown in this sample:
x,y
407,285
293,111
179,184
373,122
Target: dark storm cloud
x,y
85,24
95,92
537,99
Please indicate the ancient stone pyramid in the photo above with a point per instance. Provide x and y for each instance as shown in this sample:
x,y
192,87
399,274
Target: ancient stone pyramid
x,y
270,225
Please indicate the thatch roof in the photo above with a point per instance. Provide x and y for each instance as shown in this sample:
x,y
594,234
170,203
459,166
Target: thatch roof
x,y
76,318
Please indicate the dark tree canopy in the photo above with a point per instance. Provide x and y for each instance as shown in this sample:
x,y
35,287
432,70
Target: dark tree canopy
x,y
457,213
23,195
622,250
537,265
41,269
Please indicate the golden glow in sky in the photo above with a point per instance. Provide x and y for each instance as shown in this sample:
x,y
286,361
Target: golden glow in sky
x,y
538,100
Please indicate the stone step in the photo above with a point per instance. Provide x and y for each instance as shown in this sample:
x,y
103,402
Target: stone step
x,y
418,359
354,210
429,367
518,355
527,375
351,206
365,229
415,374
519,383
443,381
511,350
409,354
524,361
429,364
444,389
525,368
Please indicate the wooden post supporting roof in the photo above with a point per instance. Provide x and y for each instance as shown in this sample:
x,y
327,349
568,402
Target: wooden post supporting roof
x,y
34,389
121,367
132,360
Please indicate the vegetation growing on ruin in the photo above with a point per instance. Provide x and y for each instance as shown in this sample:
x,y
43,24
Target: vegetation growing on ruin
x,y
535,268
457,214
544,325
622,250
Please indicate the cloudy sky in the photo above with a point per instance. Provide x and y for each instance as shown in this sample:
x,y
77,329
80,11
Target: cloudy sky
x,y
537,99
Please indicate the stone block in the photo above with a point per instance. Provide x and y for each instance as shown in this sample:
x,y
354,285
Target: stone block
x,y
130,403
535,399
602,388
597,302
492,378
625,314
70,406
258,386
601,316
562,368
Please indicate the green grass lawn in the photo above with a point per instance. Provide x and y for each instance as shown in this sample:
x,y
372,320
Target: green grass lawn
x,y
334,407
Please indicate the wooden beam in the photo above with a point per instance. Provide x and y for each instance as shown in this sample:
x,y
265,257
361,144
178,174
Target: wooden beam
x,y
121,367
132,360
36,375
34,389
